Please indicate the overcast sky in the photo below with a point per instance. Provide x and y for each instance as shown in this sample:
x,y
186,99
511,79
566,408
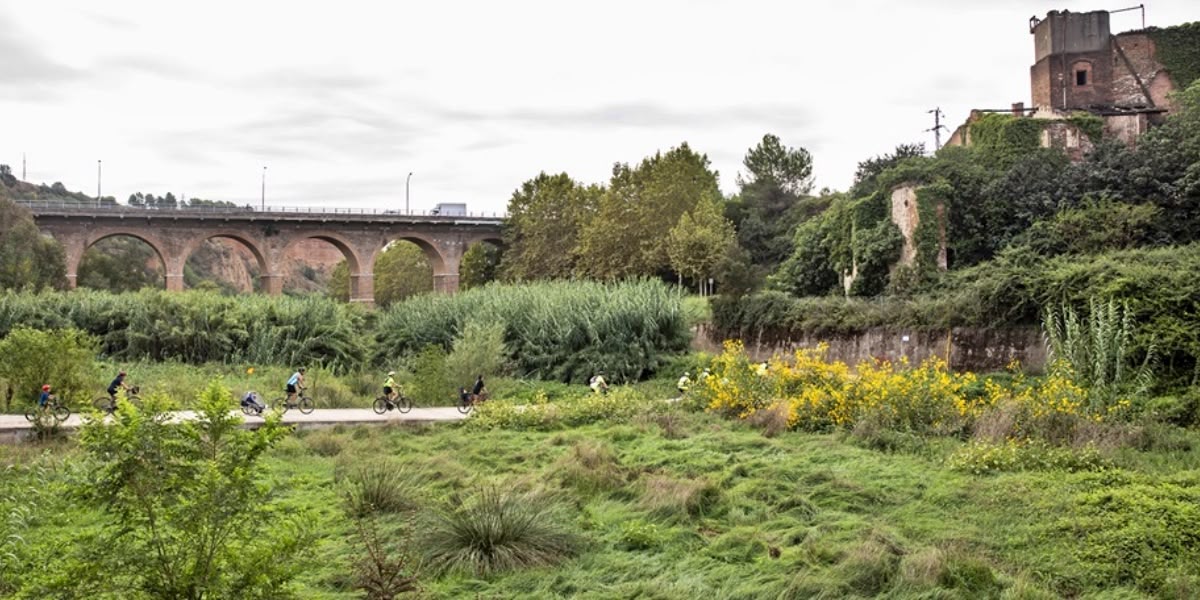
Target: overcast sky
x,y
341,100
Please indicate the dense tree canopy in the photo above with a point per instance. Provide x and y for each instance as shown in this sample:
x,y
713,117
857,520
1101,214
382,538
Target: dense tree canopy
x,y
629,235
28,259
546,217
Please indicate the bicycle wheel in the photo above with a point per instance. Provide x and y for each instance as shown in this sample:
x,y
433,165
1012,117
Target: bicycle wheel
x,y
31,414
280,404
61,413
248,410
465,405
104,404
306,405
403,404
380,406
136,401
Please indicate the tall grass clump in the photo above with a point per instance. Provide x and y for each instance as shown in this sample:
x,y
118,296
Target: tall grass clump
x,y
1097,349
198,327
497,531
564,331
378,487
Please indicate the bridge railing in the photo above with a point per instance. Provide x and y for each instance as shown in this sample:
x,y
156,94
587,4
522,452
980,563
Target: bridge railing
x,y
86,208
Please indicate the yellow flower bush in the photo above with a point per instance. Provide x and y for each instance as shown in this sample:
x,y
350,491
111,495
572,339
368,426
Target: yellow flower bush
x,y
820,395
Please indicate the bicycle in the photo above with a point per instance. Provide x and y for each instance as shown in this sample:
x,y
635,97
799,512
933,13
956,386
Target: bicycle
x,y
383,404
108,404
467,404
300,401
59,411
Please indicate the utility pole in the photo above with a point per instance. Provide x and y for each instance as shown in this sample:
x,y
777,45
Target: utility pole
x,y
264,189
97,183
22,166
937,128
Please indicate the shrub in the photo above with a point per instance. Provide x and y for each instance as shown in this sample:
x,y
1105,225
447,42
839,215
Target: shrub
x,y
497,531
184,504
63,359
431,384
478,350
618,406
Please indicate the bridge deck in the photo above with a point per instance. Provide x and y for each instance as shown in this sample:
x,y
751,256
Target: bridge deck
x,y
250,213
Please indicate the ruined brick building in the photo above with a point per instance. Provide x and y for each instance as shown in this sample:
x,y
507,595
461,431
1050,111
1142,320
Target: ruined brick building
x,y
1125,79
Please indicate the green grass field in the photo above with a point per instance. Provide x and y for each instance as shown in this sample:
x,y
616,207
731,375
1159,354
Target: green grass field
x,y
678,504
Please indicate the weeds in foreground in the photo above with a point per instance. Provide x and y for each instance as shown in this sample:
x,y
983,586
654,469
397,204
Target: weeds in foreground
x,y
381,573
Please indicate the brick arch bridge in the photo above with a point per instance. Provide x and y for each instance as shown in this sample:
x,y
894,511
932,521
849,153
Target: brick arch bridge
x,y
360,235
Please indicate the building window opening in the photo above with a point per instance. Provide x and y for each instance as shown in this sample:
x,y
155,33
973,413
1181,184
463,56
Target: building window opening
x,y
1081,77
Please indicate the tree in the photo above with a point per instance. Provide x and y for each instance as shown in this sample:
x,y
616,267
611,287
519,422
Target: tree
x,y
700,240
480,265
628,236
120,264
28,259
186,509
401,271
546,216
790,169
868,170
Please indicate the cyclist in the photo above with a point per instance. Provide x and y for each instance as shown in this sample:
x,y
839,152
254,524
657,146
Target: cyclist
x,y
598,384
478,389
294,384
390,389
683,383
45,397
118,382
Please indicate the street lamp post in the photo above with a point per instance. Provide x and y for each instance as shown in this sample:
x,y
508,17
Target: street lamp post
x,y
97,183
264,189
406,180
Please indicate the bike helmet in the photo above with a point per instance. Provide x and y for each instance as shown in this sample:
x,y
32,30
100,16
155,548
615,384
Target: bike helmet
x,y
391,373
46,388
301,369
121,373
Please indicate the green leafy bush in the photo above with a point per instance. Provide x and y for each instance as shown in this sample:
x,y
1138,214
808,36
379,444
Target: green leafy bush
x,y
62,358
431,383
478,350
187,515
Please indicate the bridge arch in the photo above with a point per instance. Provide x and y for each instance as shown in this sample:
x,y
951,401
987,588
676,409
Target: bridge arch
x,y
247,242
74,255
359,259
